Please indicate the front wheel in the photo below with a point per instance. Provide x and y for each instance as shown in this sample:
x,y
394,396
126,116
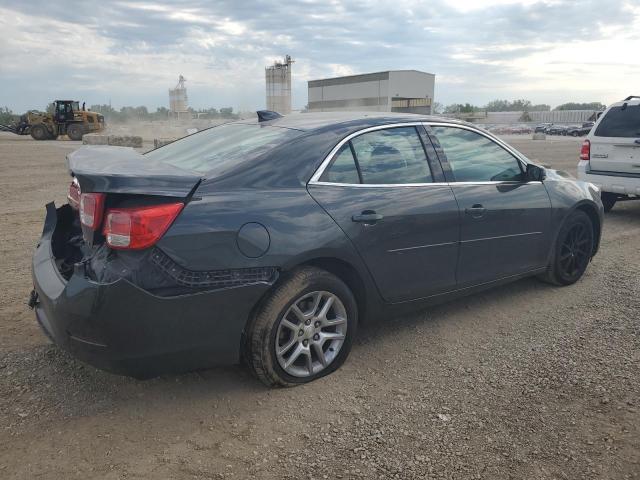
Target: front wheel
x,y
303,331
39,132
572,251
75,131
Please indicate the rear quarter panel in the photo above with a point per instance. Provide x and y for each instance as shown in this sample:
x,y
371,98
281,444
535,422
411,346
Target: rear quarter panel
x,y
204,236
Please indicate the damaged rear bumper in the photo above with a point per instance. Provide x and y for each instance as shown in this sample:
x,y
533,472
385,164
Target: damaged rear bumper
x,y
125,329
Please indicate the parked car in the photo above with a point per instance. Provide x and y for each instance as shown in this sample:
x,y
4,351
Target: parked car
x,y
580,131
610,155
273,239
542,127
556,130
518,129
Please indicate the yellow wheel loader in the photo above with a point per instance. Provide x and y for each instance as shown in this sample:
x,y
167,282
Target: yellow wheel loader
x,y
67,119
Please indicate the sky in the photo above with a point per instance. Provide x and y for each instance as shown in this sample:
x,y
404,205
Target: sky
x,y
131,53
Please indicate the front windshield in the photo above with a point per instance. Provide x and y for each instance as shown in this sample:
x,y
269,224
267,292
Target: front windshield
x,y
217,150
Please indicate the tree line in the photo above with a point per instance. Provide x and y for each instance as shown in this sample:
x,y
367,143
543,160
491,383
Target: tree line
x,y
112,115
142,113
520,105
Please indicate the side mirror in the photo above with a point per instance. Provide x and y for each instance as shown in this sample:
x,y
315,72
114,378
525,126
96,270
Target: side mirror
x,y
535,173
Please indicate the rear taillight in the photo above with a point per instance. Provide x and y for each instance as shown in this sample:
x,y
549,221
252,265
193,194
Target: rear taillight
x,y
585,151
91,208
74,194
139,227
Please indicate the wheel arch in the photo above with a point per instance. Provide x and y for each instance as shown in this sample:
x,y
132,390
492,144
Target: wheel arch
x,y
348,274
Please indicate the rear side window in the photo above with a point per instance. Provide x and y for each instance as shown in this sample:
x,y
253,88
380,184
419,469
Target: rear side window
x,y
219,149
620,122
342,168
392,156
475,158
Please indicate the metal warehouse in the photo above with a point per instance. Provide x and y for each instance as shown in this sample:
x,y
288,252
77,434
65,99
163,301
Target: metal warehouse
x,y
408,91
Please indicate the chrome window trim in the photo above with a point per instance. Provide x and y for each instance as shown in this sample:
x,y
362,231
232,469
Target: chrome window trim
x,y
315,178
379,185
431,184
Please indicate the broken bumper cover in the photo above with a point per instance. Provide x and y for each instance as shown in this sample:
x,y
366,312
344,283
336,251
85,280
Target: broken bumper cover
x,y
124,329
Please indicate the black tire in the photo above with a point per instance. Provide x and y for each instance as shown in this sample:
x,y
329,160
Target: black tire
x,y
576,134
39,132
608,200
572,251
259,350
75,131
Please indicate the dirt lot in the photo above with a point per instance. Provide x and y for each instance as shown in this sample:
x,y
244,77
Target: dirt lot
x,y
526,381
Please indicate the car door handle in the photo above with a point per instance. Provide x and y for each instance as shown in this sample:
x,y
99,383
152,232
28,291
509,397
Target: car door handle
x,y
367,217
476,211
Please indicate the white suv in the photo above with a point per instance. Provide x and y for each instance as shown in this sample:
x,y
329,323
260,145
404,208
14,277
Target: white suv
x,y
610,155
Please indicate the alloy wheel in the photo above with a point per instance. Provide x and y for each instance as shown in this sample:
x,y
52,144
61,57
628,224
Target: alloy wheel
x,y
574,254
311,333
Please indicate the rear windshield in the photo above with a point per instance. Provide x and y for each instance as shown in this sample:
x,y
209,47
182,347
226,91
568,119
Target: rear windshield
x,y
619,122
219,149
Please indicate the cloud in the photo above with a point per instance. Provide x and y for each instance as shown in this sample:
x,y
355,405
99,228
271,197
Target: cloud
x,y
132,52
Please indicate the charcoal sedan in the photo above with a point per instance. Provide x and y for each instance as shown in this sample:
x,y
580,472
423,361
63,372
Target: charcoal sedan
x,y
270,240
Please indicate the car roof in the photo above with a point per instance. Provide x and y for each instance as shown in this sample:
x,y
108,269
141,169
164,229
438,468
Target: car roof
x,y
633,100
322,120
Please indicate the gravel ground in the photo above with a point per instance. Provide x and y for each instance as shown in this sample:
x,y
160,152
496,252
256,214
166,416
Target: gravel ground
x,y
524,381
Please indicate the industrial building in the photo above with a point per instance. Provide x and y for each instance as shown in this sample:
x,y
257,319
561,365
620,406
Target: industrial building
x,y
178,101
278,80
409,91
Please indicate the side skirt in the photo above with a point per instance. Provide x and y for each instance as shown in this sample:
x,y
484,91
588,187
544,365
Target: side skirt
x,y
417,304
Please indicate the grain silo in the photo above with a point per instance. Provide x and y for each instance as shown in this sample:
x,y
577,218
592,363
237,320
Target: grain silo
x,y
278,79
178,102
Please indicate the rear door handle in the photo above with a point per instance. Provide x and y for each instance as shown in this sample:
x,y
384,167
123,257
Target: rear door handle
x,y
368,217
476,211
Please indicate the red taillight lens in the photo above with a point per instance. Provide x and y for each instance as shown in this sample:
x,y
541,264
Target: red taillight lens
x,y
585,151
139,227
91,208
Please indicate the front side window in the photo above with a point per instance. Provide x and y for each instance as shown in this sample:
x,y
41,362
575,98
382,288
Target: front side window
x,y
393,155
475,158
619,122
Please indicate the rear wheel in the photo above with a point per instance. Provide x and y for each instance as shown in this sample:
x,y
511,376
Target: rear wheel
x,y
39,132
572,252
576,134
608,200
75,131
303,331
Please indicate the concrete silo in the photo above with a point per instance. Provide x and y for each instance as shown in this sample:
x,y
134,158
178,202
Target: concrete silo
x,y
178,101
278,80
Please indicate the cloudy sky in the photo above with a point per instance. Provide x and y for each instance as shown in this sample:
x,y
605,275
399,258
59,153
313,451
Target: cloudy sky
x,y
130,53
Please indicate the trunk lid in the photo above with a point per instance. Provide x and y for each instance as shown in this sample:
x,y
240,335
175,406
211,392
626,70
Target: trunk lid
x,y
619,155
122,170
